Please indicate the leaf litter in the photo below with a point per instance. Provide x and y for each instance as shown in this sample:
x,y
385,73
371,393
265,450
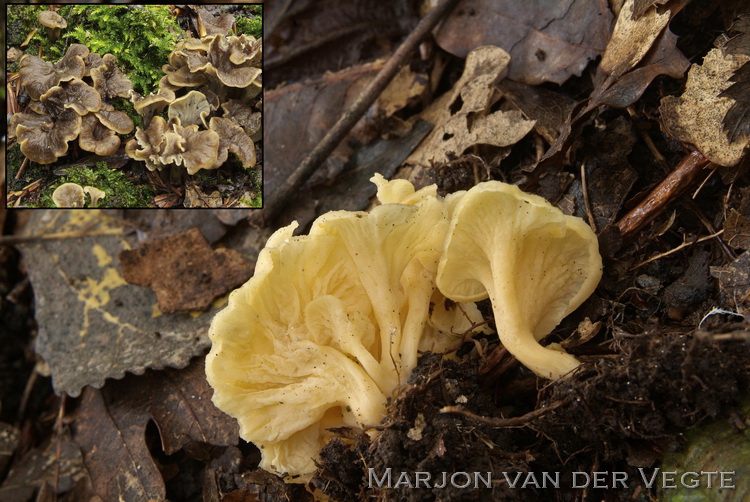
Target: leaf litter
x,y
663,340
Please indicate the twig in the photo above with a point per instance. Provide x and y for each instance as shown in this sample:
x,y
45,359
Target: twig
x,y
58,446
674,250
584,186
650,142
503,422
30,382
665,192
337,133
22,168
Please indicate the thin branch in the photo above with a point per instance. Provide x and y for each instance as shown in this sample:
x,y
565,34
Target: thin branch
x,y
337,133
678,248
586,202
503,422
665,192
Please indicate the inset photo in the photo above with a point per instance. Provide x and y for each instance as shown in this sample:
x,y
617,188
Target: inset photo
x,y
134,106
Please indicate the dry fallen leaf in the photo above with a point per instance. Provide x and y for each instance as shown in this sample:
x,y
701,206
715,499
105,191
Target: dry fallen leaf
x,y
299,115
737,223
696,116
548,40
664,58
61,468
462,117
195,197
632,39
550,109
734,282
93,325
183,270
110,428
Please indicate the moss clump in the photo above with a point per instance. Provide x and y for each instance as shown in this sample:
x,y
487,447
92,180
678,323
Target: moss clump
x,y
250,26
139,36
120,191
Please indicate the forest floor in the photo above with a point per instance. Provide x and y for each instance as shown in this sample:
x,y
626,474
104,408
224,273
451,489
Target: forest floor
x,y
643,135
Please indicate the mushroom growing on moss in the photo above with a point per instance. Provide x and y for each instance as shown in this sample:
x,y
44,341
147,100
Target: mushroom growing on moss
x,y
95,194
44,138
37,76
109,81
535,264
68,195
99,136
192,108
54,22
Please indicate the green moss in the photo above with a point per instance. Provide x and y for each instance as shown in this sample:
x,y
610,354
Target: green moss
x,y
250,26
139,36
120,191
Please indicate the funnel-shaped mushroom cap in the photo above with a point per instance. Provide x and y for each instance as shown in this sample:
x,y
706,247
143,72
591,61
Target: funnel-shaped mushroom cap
x,y
75,94
109,80
68,195
192,108
52,19
535,263
95,194
232,138
331,323
38,76
96,137
116,120
43,139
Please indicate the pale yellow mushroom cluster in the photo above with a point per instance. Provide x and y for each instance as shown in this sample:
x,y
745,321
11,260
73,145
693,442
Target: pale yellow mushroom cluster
x,y
332,322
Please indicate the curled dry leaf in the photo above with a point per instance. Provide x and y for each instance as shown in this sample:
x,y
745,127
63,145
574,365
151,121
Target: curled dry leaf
x,y
696,116
632,38
111,426
547,41
734,283
472,124
183,270
93,325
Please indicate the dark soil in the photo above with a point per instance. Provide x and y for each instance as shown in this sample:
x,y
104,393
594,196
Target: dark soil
x,y
615,415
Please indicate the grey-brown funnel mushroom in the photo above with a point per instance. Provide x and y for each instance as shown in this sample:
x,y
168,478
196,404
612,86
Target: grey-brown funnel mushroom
x,y
109,80
197,149
232,138
54,22
192,108
44,138
68,195
217,63
147,143
114,119
249,120
37,76
76,95
152,104
95,194
535,264
96,137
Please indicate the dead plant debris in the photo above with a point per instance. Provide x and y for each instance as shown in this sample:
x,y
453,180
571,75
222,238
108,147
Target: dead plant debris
x,y
630,114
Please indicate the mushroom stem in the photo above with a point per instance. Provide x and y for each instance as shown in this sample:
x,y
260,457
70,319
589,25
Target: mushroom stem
x,y
517,337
